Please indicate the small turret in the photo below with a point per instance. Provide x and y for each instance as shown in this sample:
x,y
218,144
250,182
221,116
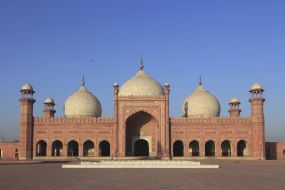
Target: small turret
x,y
49,110
234,109
256,99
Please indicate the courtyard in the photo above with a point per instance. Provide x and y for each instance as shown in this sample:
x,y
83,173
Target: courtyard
x,y
232,175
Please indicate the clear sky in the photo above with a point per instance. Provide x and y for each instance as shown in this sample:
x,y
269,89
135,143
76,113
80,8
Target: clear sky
x,y
231,43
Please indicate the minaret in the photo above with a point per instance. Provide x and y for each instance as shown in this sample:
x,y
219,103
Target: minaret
x,y
26,122
116,118
234,109
49,110
167,151
258,123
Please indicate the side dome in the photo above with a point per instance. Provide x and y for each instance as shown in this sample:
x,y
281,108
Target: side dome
x,y
201,103
82,103
141,85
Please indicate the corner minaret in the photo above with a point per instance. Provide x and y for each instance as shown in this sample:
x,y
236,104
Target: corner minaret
x,y
49,110
234,109
116,119
257,115
26,122
256,99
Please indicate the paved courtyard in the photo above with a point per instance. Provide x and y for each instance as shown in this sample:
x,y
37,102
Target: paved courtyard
x,y
232,175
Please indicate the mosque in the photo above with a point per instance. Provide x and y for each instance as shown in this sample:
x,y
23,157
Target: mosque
x,y
141,126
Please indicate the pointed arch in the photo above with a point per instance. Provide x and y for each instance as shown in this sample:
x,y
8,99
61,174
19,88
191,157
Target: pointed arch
x,y
104,148
72,148
194,148
226,148
41,148
242,148
178,148
88,148
210,148
141,125
56,148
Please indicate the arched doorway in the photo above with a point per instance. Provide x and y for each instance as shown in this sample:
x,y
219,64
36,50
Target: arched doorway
x,y
141,125
210,148
226,148
41,148
141,148
0,153
178,149
194,148
104,148
72,148
56,149
242,149
283,154
88,148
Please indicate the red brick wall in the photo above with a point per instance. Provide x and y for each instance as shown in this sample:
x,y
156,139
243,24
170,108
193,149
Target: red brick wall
x,y
9,150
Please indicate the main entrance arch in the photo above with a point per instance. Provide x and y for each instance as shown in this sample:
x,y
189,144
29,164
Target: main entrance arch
x,y
141,135
141,148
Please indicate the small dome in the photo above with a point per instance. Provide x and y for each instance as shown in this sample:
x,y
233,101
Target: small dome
x,y
201,104
234,100
49,100
27,87
82,103
256,87
141,85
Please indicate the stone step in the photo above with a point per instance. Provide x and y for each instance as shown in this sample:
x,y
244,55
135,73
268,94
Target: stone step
x,y
139,164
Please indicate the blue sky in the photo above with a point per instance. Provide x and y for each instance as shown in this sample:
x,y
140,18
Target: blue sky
x,y
230,43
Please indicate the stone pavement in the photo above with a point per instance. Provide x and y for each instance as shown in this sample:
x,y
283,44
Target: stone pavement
x,y
253,175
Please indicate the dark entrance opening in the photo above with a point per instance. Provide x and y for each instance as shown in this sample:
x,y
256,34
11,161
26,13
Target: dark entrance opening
x,y
141,148
194,147
241,148
210,148
72,148
104,148
178,148
226,148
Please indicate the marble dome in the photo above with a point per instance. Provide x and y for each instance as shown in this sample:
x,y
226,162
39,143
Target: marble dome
x,y
27,87
141,85
256,87
82,103
201,103
234,100
49,100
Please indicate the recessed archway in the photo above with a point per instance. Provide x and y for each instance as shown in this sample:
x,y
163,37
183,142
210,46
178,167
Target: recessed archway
x,y
104,148
242,148
0,153
141,125
41,147
88,148
178,149
284,154
226,148
210,148
194,148
72,148
141,148
56,149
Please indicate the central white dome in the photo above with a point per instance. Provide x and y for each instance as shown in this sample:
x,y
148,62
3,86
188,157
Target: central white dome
x,y
201,103
82,103
141,85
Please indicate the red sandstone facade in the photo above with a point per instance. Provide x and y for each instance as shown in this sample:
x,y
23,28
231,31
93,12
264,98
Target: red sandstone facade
x,y
141,126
